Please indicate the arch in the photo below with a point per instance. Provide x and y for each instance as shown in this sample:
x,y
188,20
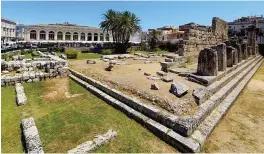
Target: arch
x,y
51,35
89,38
68,36
42,35
101,37
95,37
75,36
107,37
82,36
33,35
59,36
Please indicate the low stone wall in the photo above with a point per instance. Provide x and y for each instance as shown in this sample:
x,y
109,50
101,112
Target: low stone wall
x,y
31,136
97,142
32,76
20,95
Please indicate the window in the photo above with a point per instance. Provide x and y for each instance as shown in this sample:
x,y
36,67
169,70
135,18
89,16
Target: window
x,y
101,37
42,35
51,35
107,37
75,36
229,26
95,37
67,36
89,38
59,36
33,35
82,36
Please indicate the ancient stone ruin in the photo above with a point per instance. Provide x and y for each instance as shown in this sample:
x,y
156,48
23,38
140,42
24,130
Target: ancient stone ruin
x,y
31,136
97,142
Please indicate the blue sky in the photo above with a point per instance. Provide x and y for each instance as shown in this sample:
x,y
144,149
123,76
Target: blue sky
x,y
153,14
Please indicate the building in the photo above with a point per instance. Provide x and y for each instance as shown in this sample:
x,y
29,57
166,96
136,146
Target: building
x,y
65,32
20,32
8,30
169,33
239,26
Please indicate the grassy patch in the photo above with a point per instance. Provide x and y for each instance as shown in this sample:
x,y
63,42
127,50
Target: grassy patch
x,y
88,56
67,122
10,122
28,56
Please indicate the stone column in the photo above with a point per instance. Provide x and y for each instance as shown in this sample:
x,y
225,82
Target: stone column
x,y
55,36
229,56
221,53
252,38
249,51
235,57
207,62
37,33
244,51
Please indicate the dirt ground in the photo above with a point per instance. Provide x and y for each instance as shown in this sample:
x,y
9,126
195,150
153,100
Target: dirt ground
x,y
133,81
242,129
58,89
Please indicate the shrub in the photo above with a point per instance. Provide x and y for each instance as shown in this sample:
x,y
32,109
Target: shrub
x,y
23,52
30,51
34,54
107,52
72,53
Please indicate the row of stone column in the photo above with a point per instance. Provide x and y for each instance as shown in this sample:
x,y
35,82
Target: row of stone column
x,y
219,57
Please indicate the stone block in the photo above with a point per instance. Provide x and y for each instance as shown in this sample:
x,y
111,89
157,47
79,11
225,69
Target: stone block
x,y
207,62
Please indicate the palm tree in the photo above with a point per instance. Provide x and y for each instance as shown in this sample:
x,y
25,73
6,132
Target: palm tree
x,y
122,25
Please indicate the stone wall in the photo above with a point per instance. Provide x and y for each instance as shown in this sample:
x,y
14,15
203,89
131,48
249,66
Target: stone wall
x,y
198,38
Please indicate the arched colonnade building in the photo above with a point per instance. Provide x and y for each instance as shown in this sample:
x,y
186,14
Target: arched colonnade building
x,y
65,33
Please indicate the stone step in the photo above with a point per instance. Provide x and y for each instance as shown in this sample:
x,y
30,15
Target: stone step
x,y
217,85
183,144
208,106
206,127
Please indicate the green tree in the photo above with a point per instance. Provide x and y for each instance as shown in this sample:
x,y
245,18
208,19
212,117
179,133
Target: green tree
x,y
154,39
122,25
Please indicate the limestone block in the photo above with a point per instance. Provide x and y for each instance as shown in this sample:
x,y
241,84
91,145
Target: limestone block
x,y
221,53
207,62
178,89
229,56
154,86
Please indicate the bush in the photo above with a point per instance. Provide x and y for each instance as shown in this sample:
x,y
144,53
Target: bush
x,y
34,54
30,51
72,53
107,52
23,52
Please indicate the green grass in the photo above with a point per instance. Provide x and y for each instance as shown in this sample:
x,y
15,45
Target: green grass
x,y
82,56
28,56
10,122
67,122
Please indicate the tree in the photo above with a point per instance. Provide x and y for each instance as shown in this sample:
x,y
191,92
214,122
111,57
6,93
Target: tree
x,y
122,25
153,41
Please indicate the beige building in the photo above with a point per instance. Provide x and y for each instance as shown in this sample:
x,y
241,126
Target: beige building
x,y
64,33
8,30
